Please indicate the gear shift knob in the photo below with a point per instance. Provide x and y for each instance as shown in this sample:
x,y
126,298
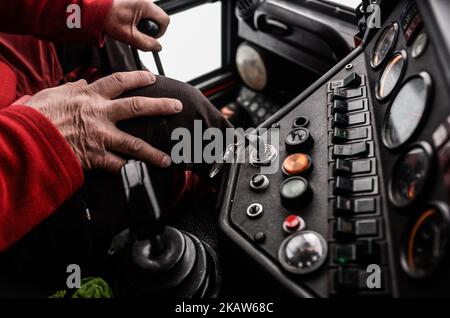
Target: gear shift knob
x,y
145,215
149,27
161,260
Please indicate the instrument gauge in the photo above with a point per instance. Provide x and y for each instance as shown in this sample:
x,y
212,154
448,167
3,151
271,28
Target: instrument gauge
x,y
410,175
391,75
384,45
252,66
426,242
407,111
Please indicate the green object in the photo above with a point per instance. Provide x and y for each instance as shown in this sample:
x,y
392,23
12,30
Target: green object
x,y
91,287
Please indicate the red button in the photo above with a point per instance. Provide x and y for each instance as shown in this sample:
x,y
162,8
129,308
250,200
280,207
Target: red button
x,y
293,223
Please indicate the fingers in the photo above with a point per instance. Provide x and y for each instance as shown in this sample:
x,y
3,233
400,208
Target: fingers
x,y
114,85
144,42
137,148
110,162
127,108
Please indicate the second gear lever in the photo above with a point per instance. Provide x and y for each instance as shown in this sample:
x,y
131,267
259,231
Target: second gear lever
x,y
162,260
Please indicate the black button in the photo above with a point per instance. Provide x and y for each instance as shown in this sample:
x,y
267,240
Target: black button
x,y
299,140
353,186
340,107
354,150
353,80
355,206
340,135
353,229
339,94
345,167
259,237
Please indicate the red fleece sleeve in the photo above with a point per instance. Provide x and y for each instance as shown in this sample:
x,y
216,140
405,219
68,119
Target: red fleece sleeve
x,y
47,19
38,171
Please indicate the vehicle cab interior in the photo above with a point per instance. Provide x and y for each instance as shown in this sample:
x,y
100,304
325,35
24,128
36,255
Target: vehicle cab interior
x,y
359,204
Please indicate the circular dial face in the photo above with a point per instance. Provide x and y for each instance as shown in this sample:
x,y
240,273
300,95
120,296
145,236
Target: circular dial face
x,y
384,45
407,111
251,67
410,175
426,242
303,252
391,75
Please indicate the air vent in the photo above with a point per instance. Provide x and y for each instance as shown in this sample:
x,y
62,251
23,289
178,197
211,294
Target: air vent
x,y
245,10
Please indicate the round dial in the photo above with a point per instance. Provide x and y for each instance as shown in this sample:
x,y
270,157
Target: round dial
x,y
391,75
385,44
251,67
426,242
407,111
410,175
303,252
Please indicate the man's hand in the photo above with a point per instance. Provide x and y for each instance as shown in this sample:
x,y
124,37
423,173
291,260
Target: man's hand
x,y
124,17
86,115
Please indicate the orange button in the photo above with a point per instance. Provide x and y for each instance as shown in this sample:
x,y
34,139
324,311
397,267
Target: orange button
x,y
297,164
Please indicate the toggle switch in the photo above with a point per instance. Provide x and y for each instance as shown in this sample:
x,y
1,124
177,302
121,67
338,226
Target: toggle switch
x,y
354,186
339,94
361,252
345,206
352,81
354,229
345,167
346,135
358,149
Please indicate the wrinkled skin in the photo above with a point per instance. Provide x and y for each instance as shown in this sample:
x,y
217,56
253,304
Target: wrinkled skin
x,y
124,17
86,116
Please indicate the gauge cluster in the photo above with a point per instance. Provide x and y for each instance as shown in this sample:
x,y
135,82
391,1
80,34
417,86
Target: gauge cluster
x,y
364,174
411,115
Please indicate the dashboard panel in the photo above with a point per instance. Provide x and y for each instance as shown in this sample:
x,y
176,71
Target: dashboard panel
x,y
359,202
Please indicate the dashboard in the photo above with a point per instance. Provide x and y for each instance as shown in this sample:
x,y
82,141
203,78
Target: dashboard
x,y
359,202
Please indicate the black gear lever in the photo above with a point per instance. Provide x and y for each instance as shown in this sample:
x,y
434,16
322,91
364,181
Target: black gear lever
x,y
152,29
161,260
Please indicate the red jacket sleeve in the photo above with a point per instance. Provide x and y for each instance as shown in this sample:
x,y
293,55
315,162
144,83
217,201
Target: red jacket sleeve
x,y
47,19
38,171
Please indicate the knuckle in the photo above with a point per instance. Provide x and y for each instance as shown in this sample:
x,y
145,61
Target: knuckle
x,y
135,146
119,78
135,106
